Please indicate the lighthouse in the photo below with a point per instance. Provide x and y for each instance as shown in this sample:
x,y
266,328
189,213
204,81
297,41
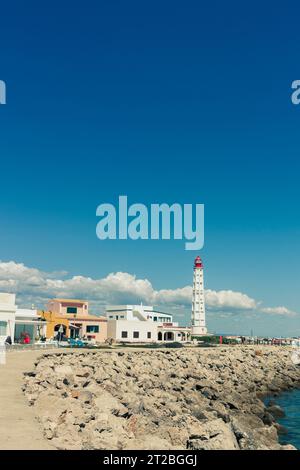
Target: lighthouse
x,y
198,302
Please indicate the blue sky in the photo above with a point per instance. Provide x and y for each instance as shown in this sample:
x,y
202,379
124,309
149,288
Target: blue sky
x,y
164,102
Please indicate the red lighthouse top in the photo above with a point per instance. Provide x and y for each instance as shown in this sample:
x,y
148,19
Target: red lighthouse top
x,y
198,263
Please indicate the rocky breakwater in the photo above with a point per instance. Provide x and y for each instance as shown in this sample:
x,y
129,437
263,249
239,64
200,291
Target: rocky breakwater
x,y
160,399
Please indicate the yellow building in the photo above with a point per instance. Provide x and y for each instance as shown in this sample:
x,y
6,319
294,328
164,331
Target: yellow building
x,y
71,316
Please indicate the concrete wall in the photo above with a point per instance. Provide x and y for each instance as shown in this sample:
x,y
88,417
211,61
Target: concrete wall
x,y
60,306
27,313
137,312
116,327
54,319
99,337
8,314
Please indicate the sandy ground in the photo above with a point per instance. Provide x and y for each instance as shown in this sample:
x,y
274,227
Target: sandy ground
x,y
19,428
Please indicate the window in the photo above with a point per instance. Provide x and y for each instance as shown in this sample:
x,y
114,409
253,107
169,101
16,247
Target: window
x,y
154,318
72,310
3,325
149,335
92,329
22,330
124,334
136,334
111,316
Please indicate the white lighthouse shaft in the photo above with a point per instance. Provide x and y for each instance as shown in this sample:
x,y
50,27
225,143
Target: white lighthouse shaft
x,y
198,303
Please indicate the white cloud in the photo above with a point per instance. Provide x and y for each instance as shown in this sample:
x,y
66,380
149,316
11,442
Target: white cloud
x,y
34,286
177,297
228,299
278,311
215,300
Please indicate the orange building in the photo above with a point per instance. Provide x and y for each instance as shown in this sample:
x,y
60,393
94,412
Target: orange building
x,y
72,317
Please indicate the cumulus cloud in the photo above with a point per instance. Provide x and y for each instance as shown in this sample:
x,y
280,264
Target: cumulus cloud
x,y
228,299
278,311
176,297
214,300
33,286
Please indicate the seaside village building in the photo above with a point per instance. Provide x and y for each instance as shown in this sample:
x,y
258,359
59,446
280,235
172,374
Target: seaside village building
x,y
19,323
29,323
138,323
71,317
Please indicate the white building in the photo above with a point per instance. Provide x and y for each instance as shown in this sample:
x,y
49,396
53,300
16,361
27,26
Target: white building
x,y
27,321
7,316
131,323
18,322
198,302
137,313
138,323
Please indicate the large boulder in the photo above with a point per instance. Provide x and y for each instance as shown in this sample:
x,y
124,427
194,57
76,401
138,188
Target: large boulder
x,y
63,370
214,435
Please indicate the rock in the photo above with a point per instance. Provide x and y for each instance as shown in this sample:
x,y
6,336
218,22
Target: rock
x,y
266,436
85,396
215,435
276,411
50,407
243,426
258,409
147,442
161,399
288,447
67,439
203,384
106,402
268,418
176,435
198,412
63,370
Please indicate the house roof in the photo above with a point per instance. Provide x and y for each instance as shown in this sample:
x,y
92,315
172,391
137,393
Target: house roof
x,y
70,300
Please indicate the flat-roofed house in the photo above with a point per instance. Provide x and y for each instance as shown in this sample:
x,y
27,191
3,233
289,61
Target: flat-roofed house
x,y
28,322
72,317
143,323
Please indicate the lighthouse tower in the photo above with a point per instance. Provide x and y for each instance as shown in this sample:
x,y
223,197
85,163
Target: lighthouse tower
x,y
198,303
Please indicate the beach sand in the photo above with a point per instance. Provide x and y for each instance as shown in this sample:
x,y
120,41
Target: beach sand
x,y
19,428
